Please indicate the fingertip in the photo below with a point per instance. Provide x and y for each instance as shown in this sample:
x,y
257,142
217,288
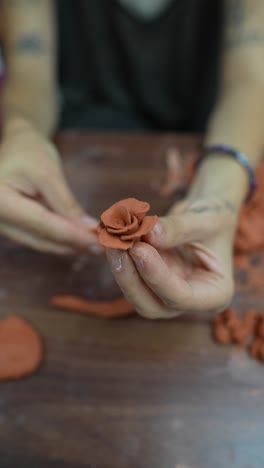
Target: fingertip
x,y
143,254
89,221
156,233
158,228
96,249
136,249
137,256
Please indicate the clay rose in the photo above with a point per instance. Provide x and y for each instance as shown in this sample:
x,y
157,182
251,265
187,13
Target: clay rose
x,y
125,223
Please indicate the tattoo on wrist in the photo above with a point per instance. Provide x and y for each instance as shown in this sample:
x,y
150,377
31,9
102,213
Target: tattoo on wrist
x,y
239,31
215,206
236,12
251,38
30,43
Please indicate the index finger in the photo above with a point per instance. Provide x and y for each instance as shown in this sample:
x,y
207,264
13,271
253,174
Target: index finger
x,y
30,215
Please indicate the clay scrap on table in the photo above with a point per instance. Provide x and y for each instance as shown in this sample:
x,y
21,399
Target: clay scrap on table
x,y
124,223
108,309
21,348
247,331
249,237
179,172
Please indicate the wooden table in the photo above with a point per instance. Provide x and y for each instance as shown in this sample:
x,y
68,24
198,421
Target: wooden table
x,y
129,393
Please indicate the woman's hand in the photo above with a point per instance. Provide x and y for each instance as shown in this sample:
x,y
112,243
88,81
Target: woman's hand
x,y
37,207
186,264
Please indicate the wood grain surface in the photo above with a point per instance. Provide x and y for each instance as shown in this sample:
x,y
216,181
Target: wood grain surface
x,y
124,393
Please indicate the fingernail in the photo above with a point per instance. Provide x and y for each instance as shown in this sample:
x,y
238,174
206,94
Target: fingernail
x,y
116,260
157,229
96,249
90,221
137,257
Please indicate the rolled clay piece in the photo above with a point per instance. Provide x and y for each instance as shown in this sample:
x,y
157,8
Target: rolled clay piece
x,y
222,334
229,315
233,323
228,318
260,328
125,223
21,348
218,319
242,261
251,320
255,348
261,352
176,177
241,334
107,309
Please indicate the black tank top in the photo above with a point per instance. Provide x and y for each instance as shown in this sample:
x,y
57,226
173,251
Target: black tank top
x,y
164,69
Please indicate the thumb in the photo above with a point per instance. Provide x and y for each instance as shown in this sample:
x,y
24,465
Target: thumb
x,y
174,230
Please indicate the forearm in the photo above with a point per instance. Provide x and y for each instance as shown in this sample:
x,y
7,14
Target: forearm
x,y
221,178
237,121
30,54
238,117
34,105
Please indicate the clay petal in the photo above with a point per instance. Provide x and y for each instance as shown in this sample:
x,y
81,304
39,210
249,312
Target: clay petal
x,y
136,207
113,242
116,217
126,229
147,224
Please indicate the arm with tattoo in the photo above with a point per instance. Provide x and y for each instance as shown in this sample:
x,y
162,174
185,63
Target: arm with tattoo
x,y
29,48
37,207
237,119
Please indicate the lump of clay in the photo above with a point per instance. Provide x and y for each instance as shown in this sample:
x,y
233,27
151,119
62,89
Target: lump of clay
x,y
257,349
224,325
245,327
251,320
21,348
222,334
229,328
228,318
241,334
260,328
238,330
125,223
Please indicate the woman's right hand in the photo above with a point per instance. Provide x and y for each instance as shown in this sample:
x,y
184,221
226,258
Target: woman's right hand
x,y
37,208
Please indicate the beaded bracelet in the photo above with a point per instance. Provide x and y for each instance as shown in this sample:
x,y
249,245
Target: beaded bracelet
x,y
241,158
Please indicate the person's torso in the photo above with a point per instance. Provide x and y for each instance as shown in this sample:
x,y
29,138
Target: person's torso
x,y
157,58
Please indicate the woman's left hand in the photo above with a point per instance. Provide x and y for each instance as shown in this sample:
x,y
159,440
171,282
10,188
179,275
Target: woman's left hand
x,y
186,263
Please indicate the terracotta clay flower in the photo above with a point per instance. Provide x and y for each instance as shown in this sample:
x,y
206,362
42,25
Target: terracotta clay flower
x,y
125,223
